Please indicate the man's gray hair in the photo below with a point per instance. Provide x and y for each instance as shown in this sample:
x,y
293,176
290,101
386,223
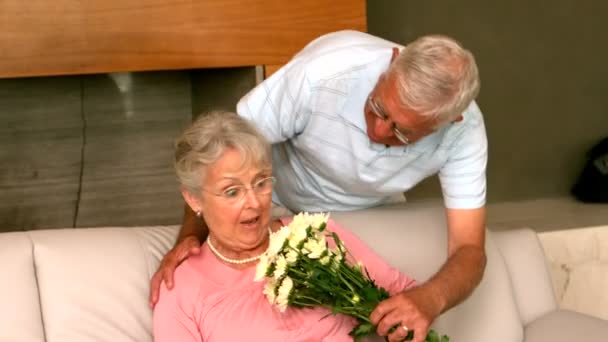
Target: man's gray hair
x,y
205,141
436,77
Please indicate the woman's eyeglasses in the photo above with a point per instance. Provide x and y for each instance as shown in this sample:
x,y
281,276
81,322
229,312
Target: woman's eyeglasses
x,y
236,193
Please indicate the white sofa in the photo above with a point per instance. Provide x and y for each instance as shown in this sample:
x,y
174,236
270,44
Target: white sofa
x,y
79,285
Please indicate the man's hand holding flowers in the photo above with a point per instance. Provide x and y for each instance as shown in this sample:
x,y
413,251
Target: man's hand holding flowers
x,y
302,270
410,310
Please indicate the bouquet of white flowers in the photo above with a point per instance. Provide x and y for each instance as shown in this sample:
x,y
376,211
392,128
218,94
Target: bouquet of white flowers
x,y
302,271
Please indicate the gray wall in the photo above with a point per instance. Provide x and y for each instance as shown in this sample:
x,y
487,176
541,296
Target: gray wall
x,y
83,151
543,69
97,150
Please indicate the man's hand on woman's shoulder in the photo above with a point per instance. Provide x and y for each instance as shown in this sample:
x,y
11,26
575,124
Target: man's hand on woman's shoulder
x,y
186,248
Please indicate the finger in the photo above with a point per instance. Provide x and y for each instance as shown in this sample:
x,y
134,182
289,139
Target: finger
x,y
381,310
389,323
184,250
418,331
194,251
420,334
400,333
168,272
155,288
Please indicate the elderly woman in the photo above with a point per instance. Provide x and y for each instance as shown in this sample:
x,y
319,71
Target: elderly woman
x,y
224,168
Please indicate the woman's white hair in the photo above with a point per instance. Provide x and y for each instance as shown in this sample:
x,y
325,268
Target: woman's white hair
x,y
436,77
205,141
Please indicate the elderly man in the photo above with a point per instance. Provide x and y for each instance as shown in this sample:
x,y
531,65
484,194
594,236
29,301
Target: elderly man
x,y
355,121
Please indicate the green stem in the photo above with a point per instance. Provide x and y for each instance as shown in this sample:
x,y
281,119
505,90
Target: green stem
x,y
346,282
293,270
311,299
353,313
296,302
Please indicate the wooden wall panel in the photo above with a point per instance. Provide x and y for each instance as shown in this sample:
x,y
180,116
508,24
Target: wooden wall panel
x,y
79,37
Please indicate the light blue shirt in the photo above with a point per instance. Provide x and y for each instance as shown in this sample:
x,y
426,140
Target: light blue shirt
x,y
311,110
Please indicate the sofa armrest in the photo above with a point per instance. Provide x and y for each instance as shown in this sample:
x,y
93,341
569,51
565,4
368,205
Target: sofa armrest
x,y
530,278
414,240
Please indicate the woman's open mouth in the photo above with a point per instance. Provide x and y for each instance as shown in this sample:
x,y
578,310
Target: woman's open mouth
x,y
252,222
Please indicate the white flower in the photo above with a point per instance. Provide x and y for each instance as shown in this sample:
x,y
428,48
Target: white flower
x,y
300,224
292,257
298,234
299,221
269,289
262,268
337,259
338,253
316,220
281,267
277,241
325,260
315,247
282,299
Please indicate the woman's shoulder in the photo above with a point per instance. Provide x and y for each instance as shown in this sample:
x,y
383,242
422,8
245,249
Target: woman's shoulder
x,y
194,277
188,278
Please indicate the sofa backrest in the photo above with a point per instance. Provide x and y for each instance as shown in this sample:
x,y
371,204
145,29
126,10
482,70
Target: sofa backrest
x,y
79,285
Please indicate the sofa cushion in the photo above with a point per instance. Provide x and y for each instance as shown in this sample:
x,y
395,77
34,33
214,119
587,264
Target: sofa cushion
x,y
94,282
21,319
566,326
414,240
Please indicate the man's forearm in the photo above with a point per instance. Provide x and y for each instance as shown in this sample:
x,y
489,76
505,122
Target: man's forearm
x,y
458,277
192,225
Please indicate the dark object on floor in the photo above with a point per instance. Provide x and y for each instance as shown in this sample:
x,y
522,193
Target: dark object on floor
x,y
592,185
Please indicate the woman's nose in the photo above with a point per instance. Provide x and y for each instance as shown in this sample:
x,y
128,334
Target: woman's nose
x,y
251,199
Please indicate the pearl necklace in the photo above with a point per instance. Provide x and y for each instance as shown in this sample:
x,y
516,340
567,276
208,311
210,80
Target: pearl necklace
x,y
234,261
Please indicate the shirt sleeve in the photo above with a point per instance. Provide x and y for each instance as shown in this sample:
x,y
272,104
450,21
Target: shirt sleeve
x,y
280,106
381,272
463,177
173,319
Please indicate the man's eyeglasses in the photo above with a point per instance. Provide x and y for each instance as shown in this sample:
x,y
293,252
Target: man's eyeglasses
x,y
377,110
236,193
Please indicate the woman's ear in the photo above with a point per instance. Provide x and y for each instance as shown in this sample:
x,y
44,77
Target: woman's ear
x,y
395,53
194,202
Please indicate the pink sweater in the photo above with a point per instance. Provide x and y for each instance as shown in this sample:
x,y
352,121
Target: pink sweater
x,y
214,302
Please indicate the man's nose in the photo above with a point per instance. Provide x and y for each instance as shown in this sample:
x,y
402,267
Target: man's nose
x,y
383,127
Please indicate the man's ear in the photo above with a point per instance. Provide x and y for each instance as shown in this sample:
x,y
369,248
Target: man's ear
x,y
194,202
458,119
395,53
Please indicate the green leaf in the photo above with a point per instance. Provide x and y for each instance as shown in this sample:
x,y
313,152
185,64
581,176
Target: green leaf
x,y
432,336
371,294
270,270
362,330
